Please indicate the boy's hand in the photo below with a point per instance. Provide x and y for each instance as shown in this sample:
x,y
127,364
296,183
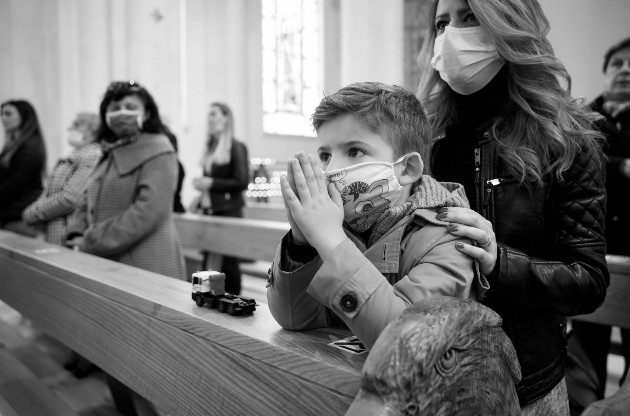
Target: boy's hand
x,y
317,214
298,236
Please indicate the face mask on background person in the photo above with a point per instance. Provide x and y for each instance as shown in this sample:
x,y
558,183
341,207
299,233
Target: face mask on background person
x,y
75,137
367,189
124,122
466,58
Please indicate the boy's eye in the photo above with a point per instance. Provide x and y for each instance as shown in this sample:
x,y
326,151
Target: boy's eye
x,y
440,25
324,157
355,152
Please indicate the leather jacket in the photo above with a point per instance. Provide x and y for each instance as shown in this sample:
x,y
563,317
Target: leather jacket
x,y
550,256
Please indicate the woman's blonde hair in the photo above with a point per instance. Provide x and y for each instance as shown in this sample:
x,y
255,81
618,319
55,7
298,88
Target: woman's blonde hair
x,y
546,127
219,147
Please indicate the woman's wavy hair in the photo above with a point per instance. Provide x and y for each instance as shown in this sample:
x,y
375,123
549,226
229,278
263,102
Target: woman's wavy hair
x,y
546,127
118,90
29,127
219,147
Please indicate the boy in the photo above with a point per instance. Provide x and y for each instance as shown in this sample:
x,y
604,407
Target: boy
x,y
364,242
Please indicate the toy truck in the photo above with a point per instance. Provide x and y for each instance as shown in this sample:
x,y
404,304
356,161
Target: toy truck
x,y
209,287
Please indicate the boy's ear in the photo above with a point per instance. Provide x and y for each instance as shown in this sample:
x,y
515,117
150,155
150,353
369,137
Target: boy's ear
x,y
412,167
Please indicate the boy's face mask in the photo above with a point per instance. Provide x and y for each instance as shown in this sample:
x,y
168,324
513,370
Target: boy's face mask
x,y
466,58
124,122
368,190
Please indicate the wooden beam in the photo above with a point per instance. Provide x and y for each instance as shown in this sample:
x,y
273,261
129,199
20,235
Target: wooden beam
x,y
240,237
145,330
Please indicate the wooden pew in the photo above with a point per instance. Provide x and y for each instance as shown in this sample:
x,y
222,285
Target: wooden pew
x,y
145,330
247,238
615,312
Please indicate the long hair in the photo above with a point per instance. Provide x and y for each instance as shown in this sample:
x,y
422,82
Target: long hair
x,y
118,90
28,128
546,127
219,146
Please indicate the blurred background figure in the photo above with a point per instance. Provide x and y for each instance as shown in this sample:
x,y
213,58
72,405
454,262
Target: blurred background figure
x,y
614,105
126,213
225,177
178,206
22,165
67,181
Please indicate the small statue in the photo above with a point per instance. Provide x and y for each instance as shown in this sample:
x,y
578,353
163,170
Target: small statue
x,y
442,356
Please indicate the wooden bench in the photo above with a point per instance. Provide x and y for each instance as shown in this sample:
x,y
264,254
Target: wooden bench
x,y
252,239
615,312
145,330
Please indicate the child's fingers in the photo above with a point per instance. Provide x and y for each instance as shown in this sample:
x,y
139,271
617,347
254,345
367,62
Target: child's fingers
x,y
290,175
319,174
302,190
290,199
307,171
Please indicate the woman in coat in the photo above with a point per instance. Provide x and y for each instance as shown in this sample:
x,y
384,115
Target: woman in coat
x,y
22,164
225,177
67,181
126,212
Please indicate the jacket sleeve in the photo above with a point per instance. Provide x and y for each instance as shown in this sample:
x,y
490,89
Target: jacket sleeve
x,y
439,270
240,171
64,202
576,281
288,301
153,203
27,162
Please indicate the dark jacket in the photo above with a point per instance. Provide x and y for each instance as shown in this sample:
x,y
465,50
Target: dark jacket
x,y
551,252
229,181
617,149
21,183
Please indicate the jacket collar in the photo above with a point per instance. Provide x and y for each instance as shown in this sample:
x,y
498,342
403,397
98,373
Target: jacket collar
x,y
147,146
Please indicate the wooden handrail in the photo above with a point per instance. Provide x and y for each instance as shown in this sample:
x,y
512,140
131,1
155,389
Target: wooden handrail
x,y
242,237
145,330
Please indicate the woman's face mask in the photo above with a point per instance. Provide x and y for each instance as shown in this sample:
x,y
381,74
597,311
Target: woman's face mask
x,y
75,137
368,190
466,58
124,122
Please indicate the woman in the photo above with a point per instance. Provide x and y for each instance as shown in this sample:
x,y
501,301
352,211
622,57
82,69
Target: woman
x,y
531,165
126,212
67,181
225,177
22,164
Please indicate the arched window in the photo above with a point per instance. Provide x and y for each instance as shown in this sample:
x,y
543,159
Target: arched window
x,y
292,65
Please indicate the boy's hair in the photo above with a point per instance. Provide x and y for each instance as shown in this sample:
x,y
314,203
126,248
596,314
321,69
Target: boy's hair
x,y
382,108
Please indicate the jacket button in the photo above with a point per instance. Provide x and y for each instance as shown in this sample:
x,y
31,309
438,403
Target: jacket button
x,y
348,303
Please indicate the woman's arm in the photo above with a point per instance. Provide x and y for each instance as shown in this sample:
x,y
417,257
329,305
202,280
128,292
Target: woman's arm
x,y
26,164
153,203
64,202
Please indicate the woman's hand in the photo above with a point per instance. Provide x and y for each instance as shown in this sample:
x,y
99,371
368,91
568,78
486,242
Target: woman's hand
x,y
465,222
202,184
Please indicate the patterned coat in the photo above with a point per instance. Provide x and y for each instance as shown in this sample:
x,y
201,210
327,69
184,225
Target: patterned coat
x,y
126,212
63,192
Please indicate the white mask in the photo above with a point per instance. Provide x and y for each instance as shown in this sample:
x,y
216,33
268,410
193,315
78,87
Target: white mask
x,y
466,58
124,122
75,137
368,190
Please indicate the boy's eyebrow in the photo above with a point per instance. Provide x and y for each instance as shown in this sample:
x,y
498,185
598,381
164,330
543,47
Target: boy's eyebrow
x,y
321,148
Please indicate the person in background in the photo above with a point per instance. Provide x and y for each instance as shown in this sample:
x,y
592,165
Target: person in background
x,y
67,181
22,165
506,127
614,105
225,177
126,212
178,206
